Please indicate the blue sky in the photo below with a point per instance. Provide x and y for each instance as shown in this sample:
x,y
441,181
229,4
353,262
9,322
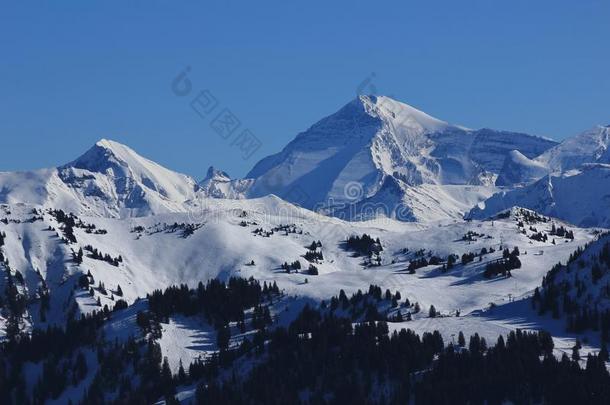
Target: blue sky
x,y
74,72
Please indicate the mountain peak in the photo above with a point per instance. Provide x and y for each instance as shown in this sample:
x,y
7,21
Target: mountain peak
x,y
132,176
375,137
109,144
400,113
118,151
216,174
106,155
589,146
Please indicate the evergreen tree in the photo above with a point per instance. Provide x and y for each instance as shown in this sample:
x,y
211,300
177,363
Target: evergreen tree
x,y
223,337
181,373
603,353
167,385
576,351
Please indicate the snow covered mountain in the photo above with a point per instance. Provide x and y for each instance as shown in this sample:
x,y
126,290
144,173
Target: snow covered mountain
x,y
581,197
568,181
375,143
110,179
591,146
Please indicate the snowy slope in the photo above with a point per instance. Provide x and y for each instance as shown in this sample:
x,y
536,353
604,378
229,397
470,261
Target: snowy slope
x,y
423,203
581,197
518,170
156,253
585,287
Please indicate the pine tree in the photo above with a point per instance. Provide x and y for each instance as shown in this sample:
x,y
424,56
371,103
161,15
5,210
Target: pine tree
x,y
451,261
78,256
167,381
576,351
80,368
603,353
181,373
223,337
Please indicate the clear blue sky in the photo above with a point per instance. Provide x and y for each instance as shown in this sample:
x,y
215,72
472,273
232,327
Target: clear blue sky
x,y
74,72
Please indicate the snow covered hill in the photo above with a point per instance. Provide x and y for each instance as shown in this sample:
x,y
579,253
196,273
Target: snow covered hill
x,y
375,143
578,291
127,258
229,235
